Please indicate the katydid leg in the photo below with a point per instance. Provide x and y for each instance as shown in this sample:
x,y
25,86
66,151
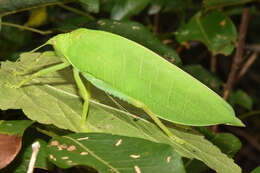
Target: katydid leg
x,y
157,121
84,93
44,72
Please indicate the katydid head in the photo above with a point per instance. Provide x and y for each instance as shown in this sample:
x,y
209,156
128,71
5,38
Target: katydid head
x,y
61,42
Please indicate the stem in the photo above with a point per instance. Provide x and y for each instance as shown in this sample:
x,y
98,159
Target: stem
x,y
26,28
50,134
213,64
248,63
74,10
237,60
243,116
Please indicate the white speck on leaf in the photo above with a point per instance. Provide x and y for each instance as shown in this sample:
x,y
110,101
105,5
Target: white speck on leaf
x,y
135,156
82,139
54,143
137,169
100,22
84,153
52,157
65,158
135,27
71,148
169,159
118,142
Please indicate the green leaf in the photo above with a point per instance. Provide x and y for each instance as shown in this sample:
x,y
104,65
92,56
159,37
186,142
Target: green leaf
x,y
227,142
53,99
90,5
112,153
241,98
195,166
124,9
215,30
211,4
256,170
166,6
204,76
16,127
140,34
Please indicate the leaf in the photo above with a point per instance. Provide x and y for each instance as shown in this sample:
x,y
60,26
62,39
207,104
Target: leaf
x,y
127,8
256,170
97,150
204,76
242,99
215,30
196,166
11,140
16,127
140,34
9,148
227,142
90,5
211,4
166,6
7,6
37,17
58,90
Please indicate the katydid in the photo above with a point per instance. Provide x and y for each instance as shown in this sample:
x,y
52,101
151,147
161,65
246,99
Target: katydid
x,y
137,75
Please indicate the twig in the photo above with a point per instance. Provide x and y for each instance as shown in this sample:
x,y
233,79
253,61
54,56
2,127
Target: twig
x,y
76,11
247,64
249,114
26,28
237,60
155,23
213,64
35,148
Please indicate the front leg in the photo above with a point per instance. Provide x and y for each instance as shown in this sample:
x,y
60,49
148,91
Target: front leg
x,y
43,72
85,94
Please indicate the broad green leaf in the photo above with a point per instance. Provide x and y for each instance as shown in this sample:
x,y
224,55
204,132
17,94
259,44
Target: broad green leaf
x,y
72,22
0,23
7,6
127,8
215,30
211,4
204,76
241,98
90,5
112,153
140,34
58,90
256,170
15,127
166,6
227,142
195,166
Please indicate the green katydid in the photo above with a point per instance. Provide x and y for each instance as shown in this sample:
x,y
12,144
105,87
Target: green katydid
x,y
138,76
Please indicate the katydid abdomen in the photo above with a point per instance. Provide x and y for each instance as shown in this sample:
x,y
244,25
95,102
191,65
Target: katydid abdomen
x,y
140,74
